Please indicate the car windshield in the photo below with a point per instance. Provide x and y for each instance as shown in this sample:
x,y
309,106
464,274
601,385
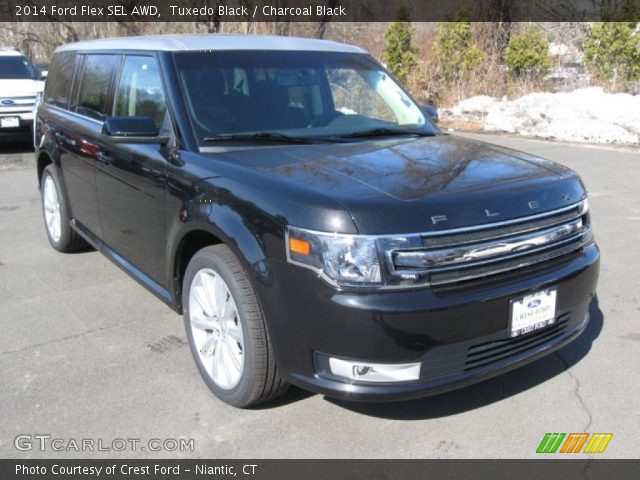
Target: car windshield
x,y
16,67
277,95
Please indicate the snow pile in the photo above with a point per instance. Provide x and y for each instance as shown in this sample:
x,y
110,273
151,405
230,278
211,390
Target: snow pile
x,y
474,108
585,115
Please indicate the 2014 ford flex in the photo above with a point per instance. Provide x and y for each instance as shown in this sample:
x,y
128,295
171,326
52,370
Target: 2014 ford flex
x,y
307,218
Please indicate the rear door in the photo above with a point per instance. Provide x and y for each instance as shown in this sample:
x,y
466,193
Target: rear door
x,y
131,178
78,137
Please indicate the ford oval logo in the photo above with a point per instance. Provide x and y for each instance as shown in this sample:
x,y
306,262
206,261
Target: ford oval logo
x,y
534,303
7,102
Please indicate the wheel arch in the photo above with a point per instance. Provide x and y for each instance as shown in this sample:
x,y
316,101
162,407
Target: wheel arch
x,y
43,160
197,235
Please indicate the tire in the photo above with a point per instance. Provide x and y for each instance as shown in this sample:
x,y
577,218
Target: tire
x,y
55,212
226,330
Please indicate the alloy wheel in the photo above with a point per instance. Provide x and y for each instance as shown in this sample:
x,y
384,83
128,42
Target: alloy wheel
x,y
216,328
51,205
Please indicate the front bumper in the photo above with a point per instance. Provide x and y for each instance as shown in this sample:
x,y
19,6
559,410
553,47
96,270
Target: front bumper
x,y
459,336
24,130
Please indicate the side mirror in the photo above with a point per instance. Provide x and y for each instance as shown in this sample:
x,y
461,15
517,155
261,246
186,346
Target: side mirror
x,y
431,112
43,74
132,130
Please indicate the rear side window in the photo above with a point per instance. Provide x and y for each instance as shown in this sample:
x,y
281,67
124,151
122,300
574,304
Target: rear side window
x,y
59,79
140,92
93,96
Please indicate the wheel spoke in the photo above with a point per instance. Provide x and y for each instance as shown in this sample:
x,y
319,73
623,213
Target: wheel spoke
x,y
208,286
235,332
204,323
231,311
233,356
202,300
225,355
222,296
56,228
50,193
217,367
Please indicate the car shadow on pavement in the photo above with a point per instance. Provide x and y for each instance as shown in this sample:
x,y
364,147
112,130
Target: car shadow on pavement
x,y
16,147
491,390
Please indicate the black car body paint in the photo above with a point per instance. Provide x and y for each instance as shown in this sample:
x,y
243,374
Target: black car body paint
x,y
139,203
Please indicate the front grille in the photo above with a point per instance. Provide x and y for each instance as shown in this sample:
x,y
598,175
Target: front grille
x,y
21,104
455,257
487,353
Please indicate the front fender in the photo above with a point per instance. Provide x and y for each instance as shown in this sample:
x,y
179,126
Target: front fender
x,y
229,228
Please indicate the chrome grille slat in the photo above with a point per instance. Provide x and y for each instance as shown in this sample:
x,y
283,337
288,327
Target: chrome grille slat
x,y
464,255
444,278
488,251
516,255
492,234
9,111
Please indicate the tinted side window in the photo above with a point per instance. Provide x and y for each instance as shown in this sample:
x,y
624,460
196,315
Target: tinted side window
x,y
96,80
140,92
59,79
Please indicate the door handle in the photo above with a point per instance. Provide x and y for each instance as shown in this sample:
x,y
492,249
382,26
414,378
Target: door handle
x,y
65,139
105,158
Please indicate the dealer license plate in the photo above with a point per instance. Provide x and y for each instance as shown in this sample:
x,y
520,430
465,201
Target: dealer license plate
x,y
9,122
533,312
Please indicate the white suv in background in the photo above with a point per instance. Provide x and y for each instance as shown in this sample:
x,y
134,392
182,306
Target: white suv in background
x,y
21,86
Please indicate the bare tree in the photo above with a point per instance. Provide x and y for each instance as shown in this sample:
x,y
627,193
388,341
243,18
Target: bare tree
x,y
322,26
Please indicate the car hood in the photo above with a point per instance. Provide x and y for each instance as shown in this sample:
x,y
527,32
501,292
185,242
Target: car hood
x,y
10,87
421,184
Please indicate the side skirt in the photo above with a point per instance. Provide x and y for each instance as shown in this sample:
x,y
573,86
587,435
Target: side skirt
x,y
134,272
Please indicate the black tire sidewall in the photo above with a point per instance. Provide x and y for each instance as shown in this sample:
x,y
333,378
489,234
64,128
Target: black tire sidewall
x,y
208,258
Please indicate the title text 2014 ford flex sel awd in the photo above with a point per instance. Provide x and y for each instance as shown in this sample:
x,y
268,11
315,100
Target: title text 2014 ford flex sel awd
x,y
307,218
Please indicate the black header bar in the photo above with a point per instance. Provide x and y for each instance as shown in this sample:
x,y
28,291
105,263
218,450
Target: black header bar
x,y
316,10
319,469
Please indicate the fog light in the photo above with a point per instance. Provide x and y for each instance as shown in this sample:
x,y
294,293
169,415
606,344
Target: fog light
x,y
374,372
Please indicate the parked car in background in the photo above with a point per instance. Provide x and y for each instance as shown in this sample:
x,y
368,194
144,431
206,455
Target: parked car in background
x,y
21,86
43,68
306,217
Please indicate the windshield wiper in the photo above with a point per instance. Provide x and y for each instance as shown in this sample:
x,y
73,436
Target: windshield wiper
x,y
381,132
258,136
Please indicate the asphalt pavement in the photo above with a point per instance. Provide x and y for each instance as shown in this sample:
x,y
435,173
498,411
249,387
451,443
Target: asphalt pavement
x,y
87,353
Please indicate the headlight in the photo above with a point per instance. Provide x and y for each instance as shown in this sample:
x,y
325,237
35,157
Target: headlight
x,y
584,206
340,259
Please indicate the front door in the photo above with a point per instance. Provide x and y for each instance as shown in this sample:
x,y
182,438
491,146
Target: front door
x,y
131,178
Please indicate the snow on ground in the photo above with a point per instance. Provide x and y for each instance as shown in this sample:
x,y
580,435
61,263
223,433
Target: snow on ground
x,y
584,115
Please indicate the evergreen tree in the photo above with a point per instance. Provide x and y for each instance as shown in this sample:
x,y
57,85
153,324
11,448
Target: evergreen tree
x,y
527,52
455,50
400,54
612,51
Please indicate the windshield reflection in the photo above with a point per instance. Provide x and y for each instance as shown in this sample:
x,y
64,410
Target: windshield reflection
x,y
231,95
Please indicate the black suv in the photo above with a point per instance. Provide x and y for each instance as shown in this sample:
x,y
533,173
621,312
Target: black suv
x,y
307,218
